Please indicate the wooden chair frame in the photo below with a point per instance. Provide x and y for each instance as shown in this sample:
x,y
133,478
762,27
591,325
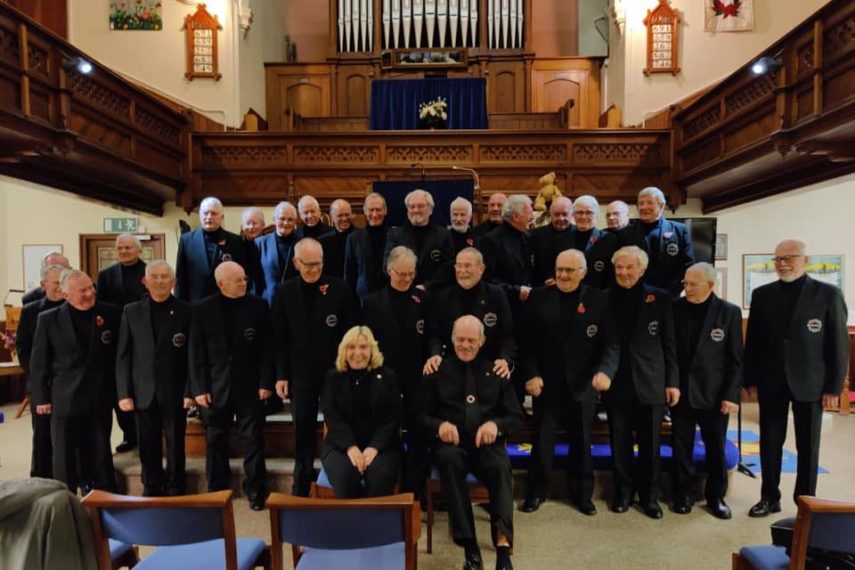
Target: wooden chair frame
x,y
404,502
222,500
808,506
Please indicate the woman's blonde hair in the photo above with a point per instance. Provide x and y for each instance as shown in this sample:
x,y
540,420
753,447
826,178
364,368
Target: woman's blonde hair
x,y
376,360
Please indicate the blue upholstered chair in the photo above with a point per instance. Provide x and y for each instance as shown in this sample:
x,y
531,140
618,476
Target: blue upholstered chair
x,y
191,532
358,534
820,524
122,555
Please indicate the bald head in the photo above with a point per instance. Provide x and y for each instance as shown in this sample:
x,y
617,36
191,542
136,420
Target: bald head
x,y
341,213
467,337
231,279
560,213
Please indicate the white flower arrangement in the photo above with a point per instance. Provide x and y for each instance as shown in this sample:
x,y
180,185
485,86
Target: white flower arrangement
x,y
433,111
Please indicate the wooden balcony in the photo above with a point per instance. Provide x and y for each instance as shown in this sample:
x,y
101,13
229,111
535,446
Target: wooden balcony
x,y
96,135
752,136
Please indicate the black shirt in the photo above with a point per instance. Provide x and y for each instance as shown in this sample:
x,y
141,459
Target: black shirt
x,y
132,276
627,305
360,386
283,247
211,243
569,305
696,314
582,240
159,312
82,323
230,309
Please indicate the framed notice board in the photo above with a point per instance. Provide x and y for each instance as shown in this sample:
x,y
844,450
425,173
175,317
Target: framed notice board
x,y
663,29
200,33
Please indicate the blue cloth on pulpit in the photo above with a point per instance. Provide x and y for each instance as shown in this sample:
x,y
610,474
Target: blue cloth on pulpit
x,y
443,191
395,102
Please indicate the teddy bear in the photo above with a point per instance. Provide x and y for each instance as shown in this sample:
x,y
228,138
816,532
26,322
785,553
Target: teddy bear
x,y
547,193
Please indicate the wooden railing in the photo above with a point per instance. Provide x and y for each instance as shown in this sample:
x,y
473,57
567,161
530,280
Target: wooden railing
x,y
754,135
95,134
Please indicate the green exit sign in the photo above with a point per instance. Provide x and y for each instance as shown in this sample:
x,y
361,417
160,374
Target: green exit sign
x,y
120,225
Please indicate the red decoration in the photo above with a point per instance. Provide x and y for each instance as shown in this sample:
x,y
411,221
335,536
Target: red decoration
x,y
650,298
323,289
581,309
99,320
725,10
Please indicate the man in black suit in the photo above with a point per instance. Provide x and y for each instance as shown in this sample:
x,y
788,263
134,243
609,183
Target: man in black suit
x,y
431,243
231,374
617,216
73,366
494,220
709,348
151,378
546,242
120,284
363,257
471,295
668,244
50,258
598,245
310,214
311,313
796,353
462,233
276,250
335,241
42,448
647,379
398,315
203,249
470,411
571,352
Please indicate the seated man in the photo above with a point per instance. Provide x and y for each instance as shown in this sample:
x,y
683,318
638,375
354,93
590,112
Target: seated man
x,y
472,409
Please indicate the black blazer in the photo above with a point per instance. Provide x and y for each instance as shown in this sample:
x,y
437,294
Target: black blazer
x,y
27,331
76,383
307,343
334,244
316,232
462,240
652,350
444,398
113,289
339,412
33,295
402,337
238,373
545,243
434,260
569,362
715,372
148,368
364,271
194,276
272,271
816,344
598,256
506,266
492,310
669,262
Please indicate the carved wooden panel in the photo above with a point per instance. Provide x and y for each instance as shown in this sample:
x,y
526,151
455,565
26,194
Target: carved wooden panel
x,y
326,154
611,153
243,154
304,89
354,90
523,153
506,86
410,154
555,81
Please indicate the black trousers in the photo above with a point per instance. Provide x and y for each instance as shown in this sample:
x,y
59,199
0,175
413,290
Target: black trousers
x,y
713,426
626,417
577,418
491,465
128,424
41,464
81,450
807,420
377,481
249,420
305,397
153,424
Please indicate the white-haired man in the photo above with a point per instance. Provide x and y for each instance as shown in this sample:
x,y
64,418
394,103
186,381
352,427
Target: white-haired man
x,y
276,250
431,243
252,222
617,216
462,233
668,244
363,256
796,352
598,245
203,249
50,258
310,214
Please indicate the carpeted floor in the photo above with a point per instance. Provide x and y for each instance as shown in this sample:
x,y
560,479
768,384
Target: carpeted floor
x,y
558,537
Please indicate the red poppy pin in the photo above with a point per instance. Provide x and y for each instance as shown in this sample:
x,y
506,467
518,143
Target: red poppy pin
x,y
323,288
470,241
650,298
99,320
593,240
416,299
581,309
221,243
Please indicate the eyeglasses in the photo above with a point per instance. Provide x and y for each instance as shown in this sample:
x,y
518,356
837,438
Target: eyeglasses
x,y
585,213
465,265
405,274
310,265
570,270
691,284
785,258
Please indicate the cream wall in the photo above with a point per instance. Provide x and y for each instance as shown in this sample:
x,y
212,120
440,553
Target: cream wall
x,y
705,57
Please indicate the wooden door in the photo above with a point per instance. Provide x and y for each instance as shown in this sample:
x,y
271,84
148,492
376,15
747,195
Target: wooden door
x,y
98,251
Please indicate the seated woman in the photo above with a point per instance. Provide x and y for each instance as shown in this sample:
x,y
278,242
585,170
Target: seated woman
x,y
362,410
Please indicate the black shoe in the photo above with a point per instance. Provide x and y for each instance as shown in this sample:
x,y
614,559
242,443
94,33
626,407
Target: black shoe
x,y
256,501
125,446
503,558
764,507
587,508
531,504
193,413
719,509
682,506
620,505
86,488
473,561
653,510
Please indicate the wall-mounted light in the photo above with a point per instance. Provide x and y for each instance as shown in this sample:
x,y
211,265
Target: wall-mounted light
x,y
766,64
78,64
